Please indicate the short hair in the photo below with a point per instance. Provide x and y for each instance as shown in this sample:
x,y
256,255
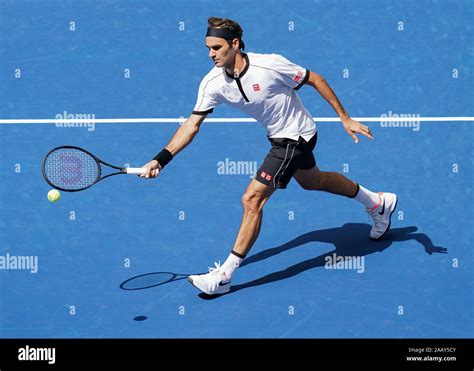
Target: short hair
x,y
215,22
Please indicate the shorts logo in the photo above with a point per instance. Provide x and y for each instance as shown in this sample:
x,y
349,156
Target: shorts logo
x,y
298,76
266,176
256,87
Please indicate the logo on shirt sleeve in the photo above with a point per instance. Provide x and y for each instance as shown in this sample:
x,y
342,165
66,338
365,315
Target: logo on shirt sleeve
x,y
298,76
256,87
266,176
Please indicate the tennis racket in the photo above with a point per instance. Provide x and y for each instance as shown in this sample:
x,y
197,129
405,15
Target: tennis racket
x,y
73,169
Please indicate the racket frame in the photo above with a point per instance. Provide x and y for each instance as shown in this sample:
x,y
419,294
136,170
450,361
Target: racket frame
x,y
99,162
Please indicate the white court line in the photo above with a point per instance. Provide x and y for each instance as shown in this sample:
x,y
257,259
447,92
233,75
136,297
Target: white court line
x,y
237,120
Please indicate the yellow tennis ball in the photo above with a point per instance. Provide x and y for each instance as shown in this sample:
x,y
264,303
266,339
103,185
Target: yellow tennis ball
x,y
54,195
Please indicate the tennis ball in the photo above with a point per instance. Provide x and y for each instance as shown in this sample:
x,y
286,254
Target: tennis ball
x,y
54,195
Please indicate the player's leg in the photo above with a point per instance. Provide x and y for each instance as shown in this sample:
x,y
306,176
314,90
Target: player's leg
x,y
253,200
276,171
379,205
309,177
315,180
217,281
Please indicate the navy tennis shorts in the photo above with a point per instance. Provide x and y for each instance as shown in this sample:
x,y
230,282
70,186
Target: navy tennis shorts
x,y
284,159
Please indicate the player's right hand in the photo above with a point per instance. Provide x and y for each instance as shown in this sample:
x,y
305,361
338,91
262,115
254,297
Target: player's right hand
x,y
152,169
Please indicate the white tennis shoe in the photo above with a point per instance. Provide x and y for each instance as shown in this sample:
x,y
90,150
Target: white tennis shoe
x,y
382,214
213,283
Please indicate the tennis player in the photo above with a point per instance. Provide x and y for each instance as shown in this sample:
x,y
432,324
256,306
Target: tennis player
x,y
264,86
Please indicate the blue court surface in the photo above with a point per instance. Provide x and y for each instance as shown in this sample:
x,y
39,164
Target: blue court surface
x,y
94,264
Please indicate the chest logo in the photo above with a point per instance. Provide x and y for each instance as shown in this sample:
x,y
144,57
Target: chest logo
x,y
256,87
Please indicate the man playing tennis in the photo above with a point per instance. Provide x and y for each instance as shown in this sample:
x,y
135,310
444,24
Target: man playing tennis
x,y
264,86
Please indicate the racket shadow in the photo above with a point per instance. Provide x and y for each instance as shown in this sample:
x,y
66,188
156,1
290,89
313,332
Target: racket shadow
x,y
150,280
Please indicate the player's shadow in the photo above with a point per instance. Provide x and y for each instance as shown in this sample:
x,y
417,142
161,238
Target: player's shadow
x,y
349,240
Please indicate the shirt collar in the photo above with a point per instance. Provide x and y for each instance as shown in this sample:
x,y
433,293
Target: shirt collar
x,y
247,65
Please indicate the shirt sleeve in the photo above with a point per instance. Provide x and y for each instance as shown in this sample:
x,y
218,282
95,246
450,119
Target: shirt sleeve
x,y
206,100
289,73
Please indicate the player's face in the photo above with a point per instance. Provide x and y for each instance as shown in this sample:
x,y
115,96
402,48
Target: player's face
x,y
221,53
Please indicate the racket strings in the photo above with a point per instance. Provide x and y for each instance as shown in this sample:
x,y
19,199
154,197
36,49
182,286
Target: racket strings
x,y
71,169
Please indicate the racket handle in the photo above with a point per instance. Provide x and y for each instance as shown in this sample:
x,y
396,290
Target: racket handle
x,y
135,170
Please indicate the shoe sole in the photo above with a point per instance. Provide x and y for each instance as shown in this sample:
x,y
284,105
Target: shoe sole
x,y
389,221
190,280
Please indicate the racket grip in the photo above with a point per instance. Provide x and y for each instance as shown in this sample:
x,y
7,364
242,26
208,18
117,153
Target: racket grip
x,y
135,170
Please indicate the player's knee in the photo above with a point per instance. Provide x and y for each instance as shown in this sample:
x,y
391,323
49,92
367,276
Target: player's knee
x,y
252,201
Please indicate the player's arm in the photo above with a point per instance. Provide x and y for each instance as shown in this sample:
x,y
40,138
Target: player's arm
x,y
181,138
351,126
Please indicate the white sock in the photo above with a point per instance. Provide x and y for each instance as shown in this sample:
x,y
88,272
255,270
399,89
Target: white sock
x,y
231,264
367,198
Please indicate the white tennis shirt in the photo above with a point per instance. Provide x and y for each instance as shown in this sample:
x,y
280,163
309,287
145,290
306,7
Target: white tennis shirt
x,y
265,90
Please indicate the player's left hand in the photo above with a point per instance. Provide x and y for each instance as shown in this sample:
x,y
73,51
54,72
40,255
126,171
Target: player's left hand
x,y
352,127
